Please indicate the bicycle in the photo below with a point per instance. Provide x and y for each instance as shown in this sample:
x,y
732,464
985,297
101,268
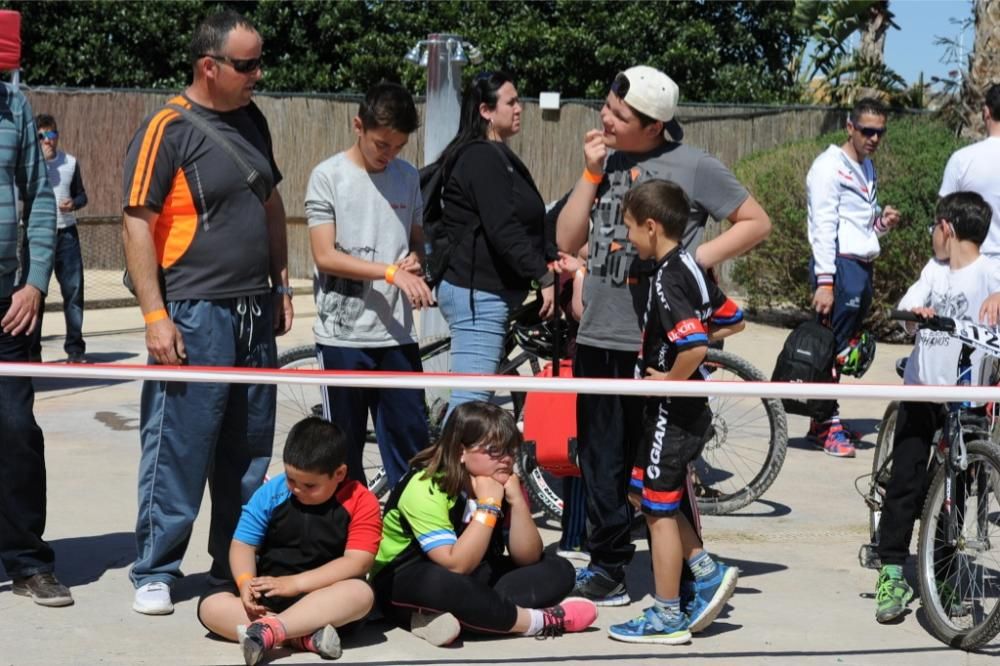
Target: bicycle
x,y
958,565
740,461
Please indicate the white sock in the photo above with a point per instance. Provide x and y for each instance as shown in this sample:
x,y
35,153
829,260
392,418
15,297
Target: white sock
x,y
537,622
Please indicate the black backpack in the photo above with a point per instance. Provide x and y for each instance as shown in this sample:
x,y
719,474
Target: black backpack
x,y
437,244
807,356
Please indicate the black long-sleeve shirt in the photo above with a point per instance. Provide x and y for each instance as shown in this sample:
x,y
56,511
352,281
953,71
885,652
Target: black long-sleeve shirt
x,y
510,247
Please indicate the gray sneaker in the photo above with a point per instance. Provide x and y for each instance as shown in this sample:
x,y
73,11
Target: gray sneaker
x,y
44,590
438,629
594,584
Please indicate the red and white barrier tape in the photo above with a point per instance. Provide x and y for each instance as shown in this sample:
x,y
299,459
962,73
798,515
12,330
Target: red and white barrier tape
x,y
504,383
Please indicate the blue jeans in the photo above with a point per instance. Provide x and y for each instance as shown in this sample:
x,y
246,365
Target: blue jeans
x,y
194,432
852,299
399,415
22,468
69,274
477,332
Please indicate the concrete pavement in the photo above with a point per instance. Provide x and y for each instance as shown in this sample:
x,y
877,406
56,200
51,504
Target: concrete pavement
x,y
802,597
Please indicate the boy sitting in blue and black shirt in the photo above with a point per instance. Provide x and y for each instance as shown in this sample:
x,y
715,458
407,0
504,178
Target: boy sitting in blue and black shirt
x,y
305,542
684,312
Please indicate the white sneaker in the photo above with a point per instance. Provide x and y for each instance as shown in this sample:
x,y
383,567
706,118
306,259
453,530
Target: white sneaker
x,y
153,599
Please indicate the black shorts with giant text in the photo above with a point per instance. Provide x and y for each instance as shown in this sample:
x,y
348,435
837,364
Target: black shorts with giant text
x,y
673,437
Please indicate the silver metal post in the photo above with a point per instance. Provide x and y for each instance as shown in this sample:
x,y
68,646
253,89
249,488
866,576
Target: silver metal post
x,y
441,116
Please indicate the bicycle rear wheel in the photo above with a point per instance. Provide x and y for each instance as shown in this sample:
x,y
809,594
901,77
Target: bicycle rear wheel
x,y
747,446
958,558
297,401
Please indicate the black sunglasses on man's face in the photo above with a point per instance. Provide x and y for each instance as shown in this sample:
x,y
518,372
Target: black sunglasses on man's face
x,y
241,65
869,132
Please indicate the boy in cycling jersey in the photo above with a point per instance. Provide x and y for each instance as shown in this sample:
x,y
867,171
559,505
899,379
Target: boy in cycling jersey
x,y
684,312
303,546
961,284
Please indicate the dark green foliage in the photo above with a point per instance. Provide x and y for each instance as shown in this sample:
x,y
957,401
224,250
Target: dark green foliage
x,y
910,164
717,51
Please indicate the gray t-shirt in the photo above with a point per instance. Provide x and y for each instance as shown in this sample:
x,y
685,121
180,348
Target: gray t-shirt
x,y
613,291
374,213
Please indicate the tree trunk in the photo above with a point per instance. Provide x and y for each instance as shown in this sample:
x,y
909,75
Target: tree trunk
x,y
984,65
872,47
871,50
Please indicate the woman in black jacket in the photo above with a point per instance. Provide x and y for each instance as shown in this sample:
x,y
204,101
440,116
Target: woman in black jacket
x,y
493,216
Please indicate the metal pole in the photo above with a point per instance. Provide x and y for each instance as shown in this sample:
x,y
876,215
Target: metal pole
x,y
444,94
441,116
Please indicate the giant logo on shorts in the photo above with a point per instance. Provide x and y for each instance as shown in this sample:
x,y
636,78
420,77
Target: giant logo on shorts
x,y
653,468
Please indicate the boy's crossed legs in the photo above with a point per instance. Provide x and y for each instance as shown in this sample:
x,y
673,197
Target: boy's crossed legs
x,y
306,623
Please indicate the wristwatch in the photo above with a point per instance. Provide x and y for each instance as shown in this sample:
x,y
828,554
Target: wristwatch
x,y
284,291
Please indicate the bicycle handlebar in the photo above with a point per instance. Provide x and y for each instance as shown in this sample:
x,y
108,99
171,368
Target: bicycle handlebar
x,y
935,323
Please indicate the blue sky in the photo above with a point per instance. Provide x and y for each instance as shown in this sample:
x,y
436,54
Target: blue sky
x,y
911,49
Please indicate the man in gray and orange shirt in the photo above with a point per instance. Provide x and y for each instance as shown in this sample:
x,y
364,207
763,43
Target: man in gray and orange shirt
x,y
208,260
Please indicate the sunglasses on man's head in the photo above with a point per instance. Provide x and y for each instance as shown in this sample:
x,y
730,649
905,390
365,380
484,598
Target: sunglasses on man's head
x,y
869,131
50,135
243,66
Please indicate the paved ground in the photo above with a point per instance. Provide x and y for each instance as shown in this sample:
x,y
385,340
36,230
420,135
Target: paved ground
x,y
801,599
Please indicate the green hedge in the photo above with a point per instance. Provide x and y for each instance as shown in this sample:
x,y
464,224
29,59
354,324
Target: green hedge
x,y
910,164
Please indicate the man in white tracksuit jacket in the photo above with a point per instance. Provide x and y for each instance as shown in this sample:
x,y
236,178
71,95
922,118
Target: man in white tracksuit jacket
x,y
845,223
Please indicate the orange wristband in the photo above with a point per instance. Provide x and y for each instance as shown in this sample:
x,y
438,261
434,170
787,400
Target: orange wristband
x,y
390,273
242,578
154,316
591,177
486,518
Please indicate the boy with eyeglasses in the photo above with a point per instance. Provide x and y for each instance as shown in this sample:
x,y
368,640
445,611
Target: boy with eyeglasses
x,y
845,224
960,283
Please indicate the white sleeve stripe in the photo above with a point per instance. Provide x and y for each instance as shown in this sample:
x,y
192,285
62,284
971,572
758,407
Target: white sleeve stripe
x,y
689,262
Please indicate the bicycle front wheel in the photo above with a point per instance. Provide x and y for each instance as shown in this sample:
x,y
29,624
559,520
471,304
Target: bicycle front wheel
x,y
747,446
881,471
958,554
297,401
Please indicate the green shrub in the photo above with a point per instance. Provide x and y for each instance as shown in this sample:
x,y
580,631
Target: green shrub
x,y
910,163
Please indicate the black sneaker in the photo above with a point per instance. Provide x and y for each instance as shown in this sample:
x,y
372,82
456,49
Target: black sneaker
x,y
44,590
594,584
76,358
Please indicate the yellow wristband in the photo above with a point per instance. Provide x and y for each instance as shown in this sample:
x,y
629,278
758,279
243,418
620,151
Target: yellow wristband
x,y
390,273
826,286
242,578
592,177
154,316
491,501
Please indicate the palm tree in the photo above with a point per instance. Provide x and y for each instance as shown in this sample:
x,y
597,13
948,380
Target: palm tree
x,y
984,64
847,74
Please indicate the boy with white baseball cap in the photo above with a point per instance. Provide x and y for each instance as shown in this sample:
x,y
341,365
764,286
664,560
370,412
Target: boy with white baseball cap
x,y
639,140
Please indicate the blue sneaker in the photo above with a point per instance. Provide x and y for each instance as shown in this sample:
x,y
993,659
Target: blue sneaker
x,y
652,627
594,584
710,596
